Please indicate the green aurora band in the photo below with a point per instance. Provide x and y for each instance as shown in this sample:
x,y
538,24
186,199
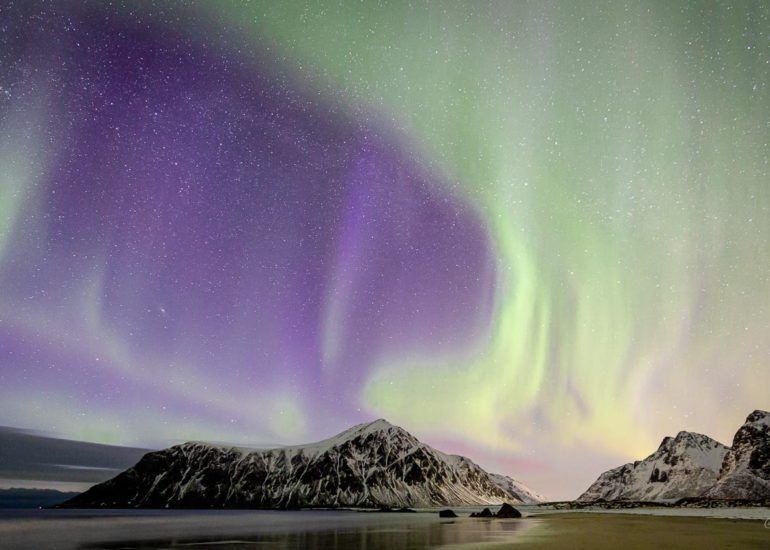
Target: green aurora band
x,y
619,154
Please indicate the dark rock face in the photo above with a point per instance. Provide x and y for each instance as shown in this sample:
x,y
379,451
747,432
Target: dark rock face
x,y
745,472
447,514
371,465
660,476
508,511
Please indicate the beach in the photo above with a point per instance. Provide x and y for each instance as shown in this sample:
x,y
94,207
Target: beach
x,y
227,529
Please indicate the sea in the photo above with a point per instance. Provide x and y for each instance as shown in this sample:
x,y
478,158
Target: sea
x,y
245,529
42,529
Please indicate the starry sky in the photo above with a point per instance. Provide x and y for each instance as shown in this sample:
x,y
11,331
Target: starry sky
x,y
535,233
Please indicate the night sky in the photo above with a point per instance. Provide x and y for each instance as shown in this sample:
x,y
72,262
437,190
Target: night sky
x,y
534,233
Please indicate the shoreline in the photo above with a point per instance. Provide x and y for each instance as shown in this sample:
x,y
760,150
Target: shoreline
x,y
749,513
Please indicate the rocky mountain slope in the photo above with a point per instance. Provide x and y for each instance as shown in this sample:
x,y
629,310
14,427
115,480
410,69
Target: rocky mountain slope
x,y
520,492
683,466
369,465
745,471
694,465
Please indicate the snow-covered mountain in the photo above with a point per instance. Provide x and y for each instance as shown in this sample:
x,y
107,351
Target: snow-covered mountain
x,y
692,466
369,465
520,492
683,466
745,471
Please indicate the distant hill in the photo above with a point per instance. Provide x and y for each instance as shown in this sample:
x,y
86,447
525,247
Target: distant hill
x,y
32,498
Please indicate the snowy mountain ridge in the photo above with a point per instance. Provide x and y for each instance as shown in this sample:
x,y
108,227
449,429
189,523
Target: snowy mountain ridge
x,y
687,464
513,486
693,465
368,465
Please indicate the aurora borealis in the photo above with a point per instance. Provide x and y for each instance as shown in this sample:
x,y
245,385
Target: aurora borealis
x,y
537,233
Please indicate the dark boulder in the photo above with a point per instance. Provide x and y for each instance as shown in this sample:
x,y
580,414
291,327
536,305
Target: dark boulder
x,y
447,514
508,511
485,513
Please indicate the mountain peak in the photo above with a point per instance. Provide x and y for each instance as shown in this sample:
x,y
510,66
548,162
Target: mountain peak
x,y
693,437
685,436
379,425
688,439
758,417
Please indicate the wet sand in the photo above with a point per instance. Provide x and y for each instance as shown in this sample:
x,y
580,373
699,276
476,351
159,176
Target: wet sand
x,y
237,530
627,531
241,529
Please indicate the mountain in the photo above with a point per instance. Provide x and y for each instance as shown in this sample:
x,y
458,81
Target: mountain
x,y
745,472
694,466
683,466
520,492
31,498
369,465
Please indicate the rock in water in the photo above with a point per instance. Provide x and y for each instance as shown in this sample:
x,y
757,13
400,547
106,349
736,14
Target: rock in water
x,y
508,511
447,514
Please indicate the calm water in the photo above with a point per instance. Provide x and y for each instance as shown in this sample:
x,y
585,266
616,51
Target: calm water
x,y
86,529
